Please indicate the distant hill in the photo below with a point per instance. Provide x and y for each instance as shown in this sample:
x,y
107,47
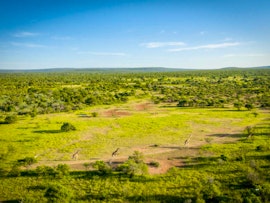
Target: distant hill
x,y
122,70
239,68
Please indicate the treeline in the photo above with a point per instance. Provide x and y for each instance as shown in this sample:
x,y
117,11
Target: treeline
x,y
41,93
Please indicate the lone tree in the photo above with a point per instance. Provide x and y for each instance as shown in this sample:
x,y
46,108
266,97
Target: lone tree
x,y
249,106
27,162
11,119
67,127
238,105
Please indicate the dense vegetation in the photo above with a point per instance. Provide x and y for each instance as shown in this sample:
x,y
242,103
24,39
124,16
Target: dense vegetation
x,y
41,93
47,116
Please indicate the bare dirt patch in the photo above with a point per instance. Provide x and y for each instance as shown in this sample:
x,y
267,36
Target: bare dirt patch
x,y
115,113
143,106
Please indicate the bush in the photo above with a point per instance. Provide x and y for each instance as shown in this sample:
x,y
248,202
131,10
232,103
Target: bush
x,y
27,161
45,171
58,193
137,157
62,170
67,127
94,114
10,119
130,167
102,167
15,171
154,164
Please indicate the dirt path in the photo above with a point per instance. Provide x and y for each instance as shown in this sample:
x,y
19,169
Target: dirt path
x,y
148,151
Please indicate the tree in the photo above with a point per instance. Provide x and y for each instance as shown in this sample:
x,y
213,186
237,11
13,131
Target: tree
x,y
10,119
58,193
134,165
249,106
27,161
67,127
102,167
238,105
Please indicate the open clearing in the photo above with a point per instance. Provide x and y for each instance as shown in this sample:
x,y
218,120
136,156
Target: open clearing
x,y
159,132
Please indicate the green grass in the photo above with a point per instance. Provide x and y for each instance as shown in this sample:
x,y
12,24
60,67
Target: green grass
x,y
98,137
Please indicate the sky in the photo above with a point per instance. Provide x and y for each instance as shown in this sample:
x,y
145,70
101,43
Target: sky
x,y
201,34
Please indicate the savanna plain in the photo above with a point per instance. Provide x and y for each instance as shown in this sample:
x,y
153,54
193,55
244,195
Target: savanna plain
x,y
137,135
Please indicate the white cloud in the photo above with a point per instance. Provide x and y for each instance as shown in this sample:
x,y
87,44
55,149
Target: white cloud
x,y
103,53
29,45
243,55
26,34
161,44
208,46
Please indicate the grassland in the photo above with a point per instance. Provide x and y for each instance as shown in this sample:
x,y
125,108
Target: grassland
x,y
222,162
157,131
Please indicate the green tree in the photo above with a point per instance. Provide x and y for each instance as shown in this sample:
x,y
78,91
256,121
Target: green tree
x,y
102,167
249,106
58,193
11,119
238,105
67,127
27,161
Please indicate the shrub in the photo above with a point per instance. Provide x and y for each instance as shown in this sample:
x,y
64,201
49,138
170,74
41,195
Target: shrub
x,y
134,165
11,119
67,127
130,167
262,148
102,167
223,157
137,157
94,114
15,171
45,171
154,164
58,193
62,170
27,161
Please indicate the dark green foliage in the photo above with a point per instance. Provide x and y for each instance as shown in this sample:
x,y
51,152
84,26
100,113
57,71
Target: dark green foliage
x,y
94,114
102,167
58,193
262,148
134,165
223,157
15,171
62,92
10,119
238,105
249,106
66,127
62,170
137,156
154,164
27,161
44,171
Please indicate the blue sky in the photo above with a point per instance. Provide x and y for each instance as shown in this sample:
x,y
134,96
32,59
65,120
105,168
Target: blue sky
x,y
202,34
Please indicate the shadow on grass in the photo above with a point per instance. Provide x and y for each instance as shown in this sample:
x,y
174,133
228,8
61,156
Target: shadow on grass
x,y
47,131
159,198
12,201
228,135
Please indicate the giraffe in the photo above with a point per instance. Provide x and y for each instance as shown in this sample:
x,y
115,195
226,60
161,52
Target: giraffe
x,y
187,140
115,153
76,155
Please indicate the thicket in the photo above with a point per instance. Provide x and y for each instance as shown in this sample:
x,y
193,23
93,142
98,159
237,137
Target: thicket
x,y
41,93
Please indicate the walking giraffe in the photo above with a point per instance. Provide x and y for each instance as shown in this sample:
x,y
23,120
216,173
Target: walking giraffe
x,y
187,141
115,153
76,155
